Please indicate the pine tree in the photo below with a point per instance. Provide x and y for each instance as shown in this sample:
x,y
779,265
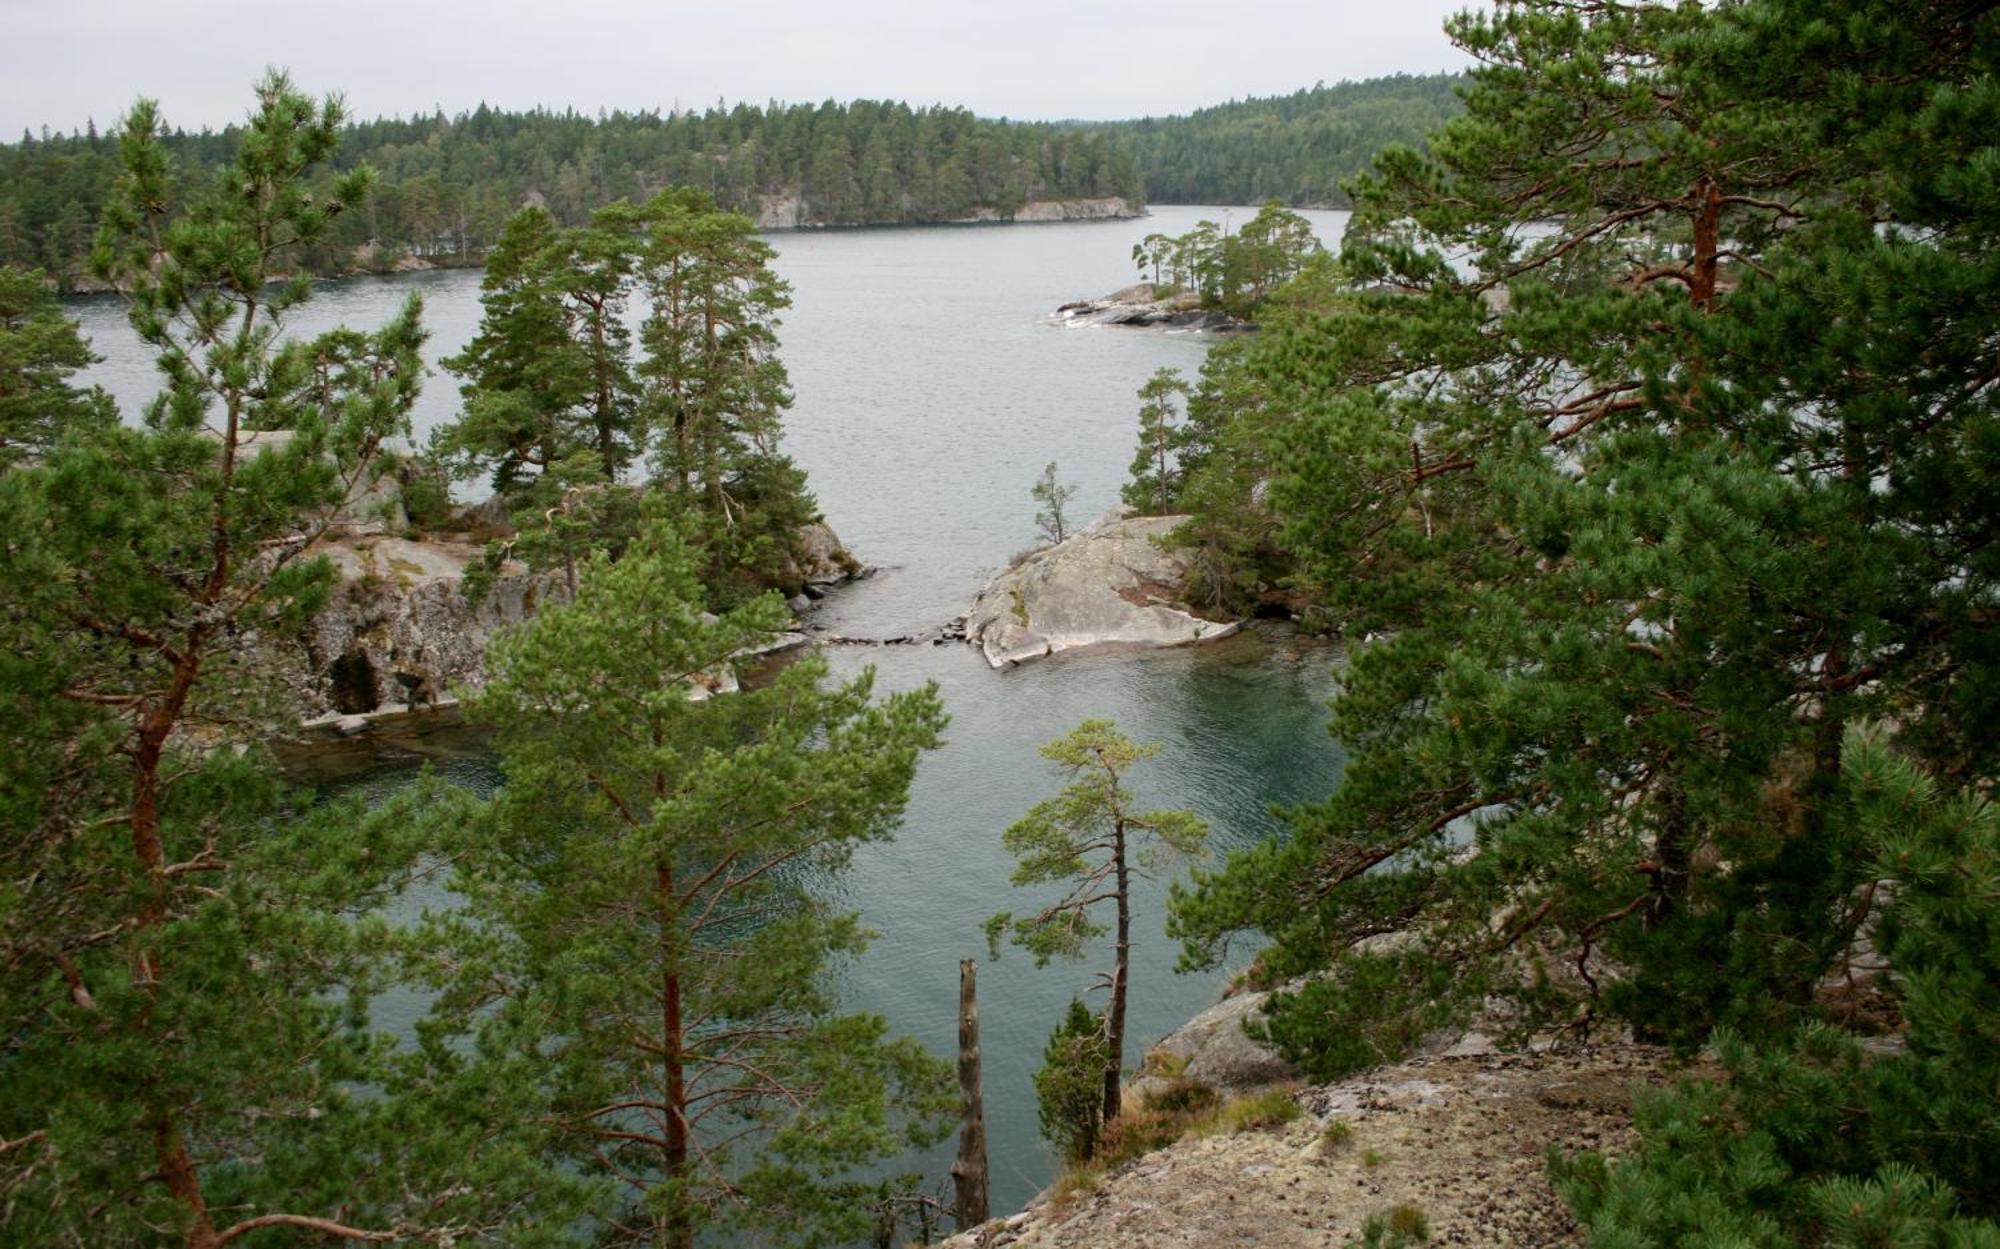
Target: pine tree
x,y
548,374
1053,497
1069,1086
40,350
646,931
185,954
1579,482
1816,1140
1156,472
1091,839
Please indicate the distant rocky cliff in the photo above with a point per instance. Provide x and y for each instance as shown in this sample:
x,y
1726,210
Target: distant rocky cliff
x,y
786,210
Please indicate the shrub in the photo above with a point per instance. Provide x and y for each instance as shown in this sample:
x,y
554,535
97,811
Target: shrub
x,y
1182,1096
1817,1140
1399,1227
1257,1112
1069,1088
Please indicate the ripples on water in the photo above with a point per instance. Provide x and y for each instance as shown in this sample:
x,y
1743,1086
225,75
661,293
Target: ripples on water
x,y
932,386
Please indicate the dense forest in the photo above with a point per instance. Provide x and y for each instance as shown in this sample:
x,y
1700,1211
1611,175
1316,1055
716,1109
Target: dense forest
x,y
448,184
1639,447
1296,148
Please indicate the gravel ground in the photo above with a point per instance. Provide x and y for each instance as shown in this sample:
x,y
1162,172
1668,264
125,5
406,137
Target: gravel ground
x,y
1461,1138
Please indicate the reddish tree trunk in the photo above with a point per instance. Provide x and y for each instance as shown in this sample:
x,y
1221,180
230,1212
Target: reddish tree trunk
x,y
674,1229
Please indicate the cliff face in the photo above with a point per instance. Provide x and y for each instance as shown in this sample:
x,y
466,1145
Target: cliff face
x,y
400,630
400,633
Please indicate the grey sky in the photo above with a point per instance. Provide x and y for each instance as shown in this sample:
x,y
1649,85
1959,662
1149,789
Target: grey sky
x,y
62,61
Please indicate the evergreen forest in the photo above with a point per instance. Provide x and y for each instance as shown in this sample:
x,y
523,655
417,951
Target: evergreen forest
x,y
446,185
1638,451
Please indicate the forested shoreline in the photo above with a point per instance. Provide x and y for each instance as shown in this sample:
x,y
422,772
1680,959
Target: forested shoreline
x,y
447,185
1638,447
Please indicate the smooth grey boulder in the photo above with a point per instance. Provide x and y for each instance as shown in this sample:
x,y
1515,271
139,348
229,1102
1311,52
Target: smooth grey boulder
x,y
819,559
1109,584
1218,1053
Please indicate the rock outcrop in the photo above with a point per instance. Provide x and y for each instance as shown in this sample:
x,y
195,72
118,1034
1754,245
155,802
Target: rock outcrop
x,y
1213,1049
1110,584
399,631
1103,208
1147,305
1462,1139
818,561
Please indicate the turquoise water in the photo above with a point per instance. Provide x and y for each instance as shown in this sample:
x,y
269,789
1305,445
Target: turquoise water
x,y
932,386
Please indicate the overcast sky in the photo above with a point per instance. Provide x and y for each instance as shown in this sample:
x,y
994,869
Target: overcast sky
x,y
62,61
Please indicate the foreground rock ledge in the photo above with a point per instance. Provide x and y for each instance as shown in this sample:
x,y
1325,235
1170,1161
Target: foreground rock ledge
x,y
1460,1137
1109,584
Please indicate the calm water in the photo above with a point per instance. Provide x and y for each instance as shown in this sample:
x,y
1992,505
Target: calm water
x,y
932,387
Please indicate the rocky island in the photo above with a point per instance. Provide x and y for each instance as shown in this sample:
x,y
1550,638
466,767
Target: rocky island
x,y
1146,304
1109,584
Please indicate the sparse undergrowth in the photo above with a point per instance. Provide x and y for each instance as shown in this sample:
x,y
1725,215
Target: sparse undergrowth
x,y
1183,1108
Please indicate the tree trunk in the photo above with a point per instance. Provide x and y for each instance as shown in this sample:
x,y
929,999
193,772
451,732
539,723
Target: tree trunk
x,y
674,1230
968,1174
1707,242
1114,1014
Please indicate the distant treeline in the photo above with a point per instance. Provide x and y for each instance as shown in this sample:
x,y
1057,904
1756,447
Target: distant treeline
x,y
448,184
1296,148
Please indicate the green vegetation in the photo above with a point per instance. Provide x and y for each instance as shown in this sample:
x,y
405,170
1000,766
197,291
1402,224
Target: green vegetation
x,y
1639,444
1090,840
1812,1140
1256,1112
562,413
1300,148
40,350
1401,1226
638,948
633,1036
448,186
186,952
1156,467
1235,271
1069,1087
1053,497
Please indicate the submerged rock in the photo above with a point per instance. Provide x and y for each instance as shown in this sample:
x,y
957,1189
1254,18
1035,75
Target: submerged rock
x,y
1109,584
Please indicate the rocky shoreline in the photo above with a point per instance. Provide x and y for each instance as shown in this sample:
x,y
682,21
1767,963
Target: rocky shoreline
x,y
785,210
1145,304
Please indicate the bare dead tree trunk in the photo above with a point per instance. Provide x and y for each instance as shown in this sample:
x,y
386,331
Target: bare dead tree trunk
x,y
968,1174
